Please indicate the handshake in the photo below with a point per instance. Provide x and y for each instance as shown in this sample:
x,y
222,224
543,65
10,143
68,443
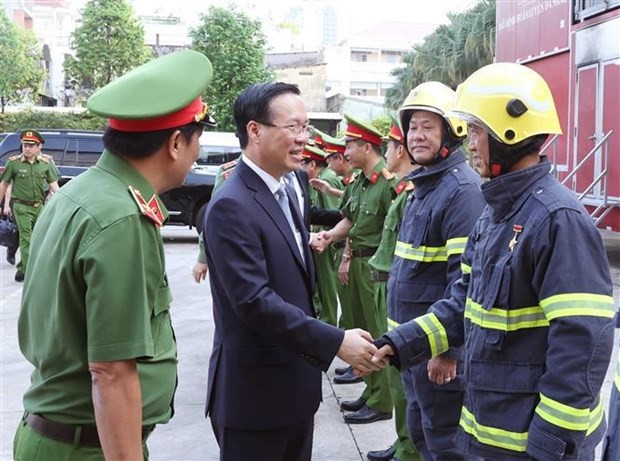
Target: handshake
x,y
320,241
359,351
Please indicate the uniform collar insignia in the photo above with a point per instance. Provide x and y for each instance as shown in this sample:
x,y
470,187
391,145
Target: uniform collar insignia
x,y
401,186
374,177
149,209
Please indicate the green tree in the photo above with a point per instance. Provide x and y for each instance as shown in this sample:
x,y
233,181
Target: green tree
x,y
235,44
450,54
109,42
21,74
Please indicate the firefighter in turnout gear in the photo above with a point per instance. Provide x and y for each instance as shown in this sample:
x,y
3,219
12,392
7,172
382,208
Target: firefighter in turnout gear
x,y
439,216
534,306
611,450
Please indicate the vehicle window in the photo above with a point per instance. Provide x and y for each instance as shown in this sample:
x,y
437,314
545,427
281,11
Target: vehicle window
x,y
89,151
217,155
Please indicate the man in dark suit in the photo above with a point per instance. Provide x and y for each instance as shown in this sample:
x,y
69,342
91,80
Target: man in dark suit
x,y
269,349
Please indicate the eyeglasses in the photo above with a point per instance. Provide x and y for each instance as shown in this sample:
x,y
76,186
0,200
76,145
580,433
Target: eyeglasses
x,y
293,128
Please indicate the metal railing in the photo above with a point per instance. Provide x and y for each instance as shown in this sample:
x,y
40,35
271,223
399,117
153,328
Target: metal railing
x,y
605,206
554,145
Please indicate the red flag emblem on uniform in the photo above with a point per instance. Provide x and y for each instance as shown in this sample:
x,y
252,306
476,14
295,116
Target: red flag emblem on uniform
x,y
150,210
154,207
401,187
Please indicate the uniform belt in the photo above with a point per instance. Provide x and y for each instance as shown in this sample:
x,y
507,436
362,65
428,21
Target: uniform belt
x,y
80,435
362,252
33,203
379,276
339,244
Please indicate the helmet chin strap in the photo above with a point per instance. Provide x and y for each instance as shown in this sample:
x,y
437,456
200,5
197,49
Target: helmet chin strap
x,y
502,157
449,143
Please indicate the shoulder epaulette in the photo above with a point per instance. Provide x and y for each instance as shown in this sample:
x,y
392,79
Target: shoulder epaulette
x,y
48,157
149,209
44,158
226,174
15,157
410,186
229,165
386,174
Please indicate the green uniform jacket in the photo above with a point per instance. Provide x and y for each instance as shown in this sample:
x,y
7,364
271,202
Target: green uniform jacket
x,y
365,202
382,259
97,291
30,180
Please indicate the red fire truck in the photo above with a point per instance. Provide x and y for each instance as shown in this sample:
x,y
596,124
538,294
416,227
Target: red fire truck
x,y
575,45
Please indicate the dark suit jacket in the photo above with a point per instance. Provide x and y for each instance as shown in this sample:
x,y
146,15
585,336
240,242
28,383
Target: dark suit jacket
x,y
268,348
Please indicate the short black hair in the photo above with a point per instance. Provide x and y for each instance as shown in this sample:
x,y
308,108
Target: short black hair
x,y
375,148
254,104
141,145
318,163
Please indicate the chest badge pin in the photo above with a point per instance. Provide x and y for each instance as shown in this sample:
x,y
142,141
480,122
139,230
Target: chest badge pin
x,y
516,228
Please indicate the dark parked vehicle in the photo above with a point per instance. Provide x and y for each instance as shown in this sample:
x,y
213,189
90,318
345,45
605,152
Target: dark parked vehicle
x,y
74,151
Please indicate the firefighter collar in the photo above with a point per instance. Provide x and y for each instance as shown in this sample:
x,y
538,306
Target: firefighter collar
x,y
505,193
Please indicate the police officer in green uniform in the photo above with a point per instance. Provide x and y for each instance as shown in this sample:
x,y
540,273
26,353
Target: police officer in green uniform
x,y
29,174
200,269
314,165
399,164
364,205
334,156
95,320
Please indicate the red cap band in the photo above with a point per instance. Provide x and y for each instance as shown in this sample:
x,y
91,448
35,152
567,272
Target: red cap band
x,y
357,132
396,134
312,156
194,112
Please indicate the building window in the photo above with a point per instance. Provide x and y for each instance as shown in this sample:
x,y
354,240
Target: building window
x,y
357,56
392,57
584,9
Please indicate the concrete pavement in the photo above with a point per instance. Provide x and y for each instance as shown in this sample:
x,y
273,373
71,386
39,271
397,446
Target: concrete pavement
x,y
188,436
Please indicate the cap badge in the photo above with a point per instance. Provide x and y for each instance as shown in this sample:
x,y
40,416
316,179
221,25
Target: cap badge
x,y
198,117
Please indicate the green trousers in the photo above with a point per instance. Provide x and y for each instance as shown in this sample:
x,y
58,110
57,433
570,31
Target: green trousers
x,y
327,289
346,316
30,446
405,451
25,218
372,318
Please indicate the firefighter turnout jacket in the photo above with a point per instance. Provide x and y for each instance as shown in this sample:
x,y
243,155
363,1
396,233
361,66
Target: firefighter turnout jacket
x,y
534,308
438,217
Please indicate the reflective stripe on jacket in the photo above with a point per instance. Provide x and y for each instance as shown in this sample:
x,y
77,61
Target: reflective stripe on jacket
x,y
537,309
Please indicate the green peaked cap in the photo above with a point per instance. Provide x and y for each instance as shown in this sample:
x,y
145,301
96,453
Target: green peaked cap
x,y
162,86
357,129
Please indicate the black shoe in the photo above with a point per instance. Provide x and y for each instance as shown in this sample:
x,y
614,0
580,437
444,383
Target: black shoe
x,y
347,378
10,256
19,277
367,415
340,370
352,405
381,455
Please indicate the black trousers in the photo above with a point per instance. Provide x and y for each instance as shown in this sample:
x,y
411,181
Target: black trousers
x,y
290,443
